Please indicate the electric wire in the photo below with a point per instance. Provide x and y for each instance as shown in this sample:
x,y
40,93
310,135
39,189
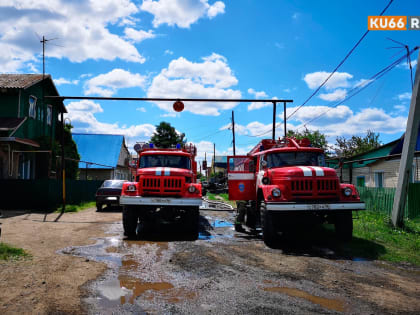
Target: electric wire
x,y
338,66
354,91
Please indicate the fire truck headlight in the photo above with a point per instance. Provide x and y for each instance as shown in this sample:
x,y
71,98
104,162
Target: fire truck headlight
x,y
347,192
192,189
276,193
131,188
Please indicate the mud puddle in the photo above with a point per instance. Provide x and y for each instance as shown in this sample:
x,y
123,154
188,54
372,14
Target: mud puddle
x,y
331,304
137,275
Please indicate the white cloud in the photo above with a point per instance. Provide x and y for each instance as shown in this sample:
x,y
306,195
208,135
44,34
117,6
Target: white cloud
x,y
338,79
362,83
337,95
109,83
255,129
181,13
211,78
138,36
141,109
85,106
342,121
82,116
81,28
61,81
295,16
404,65
257,94
400,108
404,96
169,52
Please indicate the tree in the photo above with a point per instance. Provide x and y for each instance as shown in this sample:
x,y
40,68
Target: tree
x,y
166,136
357,144
317,139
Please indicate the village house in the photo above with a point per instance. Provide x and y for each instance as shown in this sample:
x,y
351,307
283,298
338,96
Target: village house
x,y
102,156
27,126
378,167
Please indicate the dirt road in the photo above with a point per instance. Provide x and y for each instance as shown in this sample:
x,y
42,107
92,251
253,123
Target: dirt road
x,y
83,264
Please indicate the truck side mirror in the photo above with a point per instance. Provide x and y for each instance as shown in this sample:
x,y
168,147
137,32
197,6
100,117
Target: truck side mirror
x,y
264,164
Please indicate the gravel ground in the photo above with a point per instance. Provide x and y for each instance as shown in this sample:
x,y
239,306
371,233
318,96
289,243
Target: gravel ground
x,y
88,267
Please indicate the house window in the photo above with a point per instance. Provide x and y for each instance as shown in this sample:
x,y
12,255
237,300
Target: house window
x,y
49,114
360,181
379,179
32,106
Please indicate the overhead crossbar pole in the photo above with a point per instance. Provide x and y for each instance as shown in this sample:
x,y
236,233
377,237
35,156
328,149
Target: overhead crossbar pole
x,y
274,119
159,99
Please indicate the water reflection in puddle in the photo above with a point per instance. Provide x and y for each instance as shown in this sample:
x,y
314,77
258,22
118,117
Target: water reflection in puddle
x,y
331,304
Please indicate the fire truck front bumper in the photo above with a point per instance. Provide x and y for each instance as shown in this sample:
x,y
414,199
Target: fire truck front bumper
x,y
160,201
290,206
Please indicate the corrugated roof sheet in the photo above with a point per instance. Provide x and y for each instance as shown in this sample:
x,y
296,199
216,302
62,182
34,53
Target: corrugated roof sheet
x,y
398,148
98,148
9,123
19,81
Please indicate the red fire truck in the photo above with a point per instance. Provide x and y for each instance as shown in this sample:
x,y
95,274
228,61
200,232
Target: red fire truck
x,y
282,184
165,188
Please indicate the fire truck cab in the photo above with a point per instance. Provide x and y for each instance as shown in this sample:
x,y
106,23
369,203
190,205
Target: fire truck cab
x,y
282,184
165,188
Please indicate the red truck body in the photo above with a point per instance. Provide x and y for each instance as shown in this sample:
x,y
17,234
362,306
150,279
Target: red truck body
x,y
281,180
164,188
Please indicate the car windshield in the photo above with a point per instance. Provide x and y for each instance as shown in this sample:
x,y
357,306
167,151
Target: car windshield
x,y
280,159
113,184
161,160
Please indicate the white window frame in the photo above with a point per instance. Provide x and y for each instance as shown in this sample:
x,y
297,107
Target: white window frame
x,y
32,106
49,115
376,174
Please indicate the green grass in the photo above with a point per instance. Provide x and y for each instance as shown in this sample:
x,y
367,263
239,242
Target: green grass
x,y
375,237
79,207
8,252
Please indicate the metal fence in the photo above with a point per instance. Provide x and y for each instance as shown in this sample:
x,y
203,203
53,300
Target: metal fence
x,y
45,193
382,199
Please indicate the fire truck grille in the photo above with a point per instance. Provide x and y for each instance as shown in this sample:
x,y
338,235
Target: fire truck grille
x,y
308,187
162,186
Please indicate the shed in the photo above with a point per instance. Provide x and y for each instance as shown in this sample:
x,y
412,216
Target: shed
x,y
102,156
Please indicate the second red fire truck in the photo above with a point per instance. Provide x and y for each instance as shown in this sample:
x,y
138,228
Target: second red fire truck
x,y
281,184
164,188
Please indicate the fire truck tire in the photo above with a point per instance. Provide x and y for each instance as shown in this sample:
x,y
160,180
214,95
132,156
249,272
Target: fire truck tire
x,y
130,219
268,230
193,220
344,226
99,207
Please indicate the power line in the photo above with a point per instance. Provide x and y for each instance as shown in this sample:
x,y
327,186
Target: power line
x,y
361,87
338,66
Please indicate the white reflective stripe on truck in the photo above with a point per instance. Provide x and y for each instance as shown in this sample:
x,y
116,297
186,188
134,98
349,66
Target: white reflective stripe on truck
x,y
234,176
315,206
159,201
306,170
318,171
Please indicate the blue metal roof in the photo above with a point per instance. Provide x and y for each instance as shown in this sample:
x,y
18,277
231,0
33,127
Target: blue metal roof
x,y
98,148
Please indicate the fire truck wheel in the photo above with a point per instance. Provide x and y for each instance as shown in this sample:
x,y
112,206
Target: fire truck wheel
x,y
99,207
130,218
268,230
344,226
193,219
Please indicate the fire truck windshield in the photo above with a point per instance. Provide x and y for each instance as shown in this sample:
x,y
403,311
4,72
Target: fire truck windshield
x,y
160,160
280,159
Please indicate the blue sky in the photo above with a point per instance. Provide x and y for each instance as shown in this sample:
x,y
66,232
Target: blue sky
x,y
214,49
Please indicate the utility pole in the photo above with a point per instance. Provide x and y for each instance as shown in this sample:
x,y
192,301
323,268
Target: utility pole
x,y
214,158
410,140
274,120
284,120
205,166
233,133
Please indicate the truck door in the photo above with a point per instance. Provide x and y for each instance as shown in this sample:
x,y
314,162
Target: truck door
x,y
241,178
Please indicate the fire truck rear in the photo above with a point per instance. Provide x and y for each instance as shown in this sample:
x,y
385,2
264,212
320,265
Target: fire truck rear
x,y
165,188
284,184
